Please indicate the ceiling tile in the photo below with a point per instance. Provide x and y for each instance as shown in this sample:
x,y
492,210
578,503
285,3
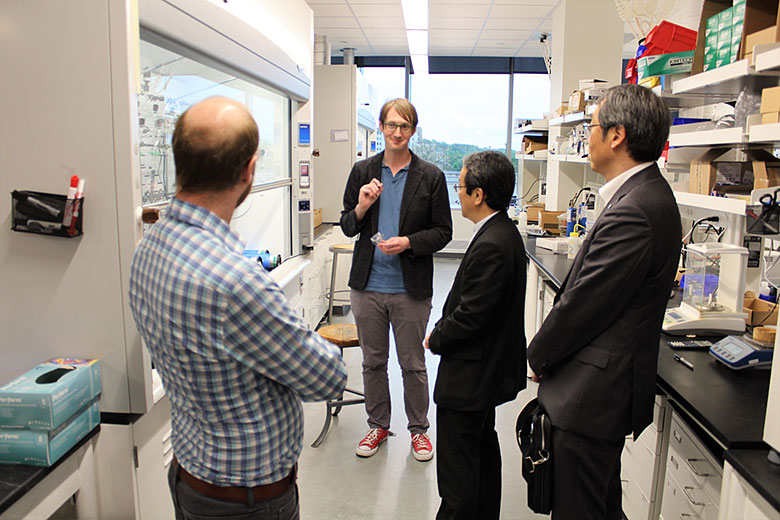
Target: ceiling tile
x,y
529,24
453,34
343,33
332,22
457,23
331,10
461,11
506,35
382,23
459,2
314,3
520,11
377,10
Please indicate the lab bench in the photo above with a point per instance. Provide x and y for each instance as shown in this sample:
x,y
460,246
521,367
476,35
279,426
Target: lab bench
x,y
711,413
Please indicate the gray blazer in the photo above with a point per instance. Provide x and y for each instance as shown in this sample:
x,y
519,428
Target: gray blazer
x,y
425,219
597,351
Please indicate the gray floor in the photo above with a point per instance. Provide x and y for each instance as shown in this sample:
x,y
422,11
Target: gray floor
x,y
336,484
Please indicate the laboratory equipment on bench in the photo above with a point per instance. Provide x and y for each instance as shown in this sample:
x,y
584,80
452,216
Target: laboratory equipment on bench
x,y
738,353
713,292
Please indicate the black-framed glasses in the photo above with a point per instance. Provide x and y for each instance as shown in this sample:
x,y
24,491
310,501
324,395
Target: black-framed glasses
x,y
457,187
406,128
588,126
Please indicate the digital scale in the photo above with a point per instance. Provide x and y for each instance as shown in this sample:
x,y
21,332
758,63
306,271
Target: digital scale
x,y
713,292
737,353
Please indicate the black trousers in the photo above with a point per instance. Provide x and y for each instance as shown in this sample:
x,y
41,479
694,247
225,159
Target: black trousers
x,y
586,477
468,465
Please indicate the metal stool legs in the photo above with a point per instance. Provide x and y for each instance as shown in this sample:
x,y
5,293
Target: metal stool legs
x,y
333,407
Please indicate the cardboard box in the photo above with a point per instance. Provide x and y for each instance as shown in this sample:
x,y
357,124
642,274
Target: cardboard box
x,y
317,217
576,101
770,118
760,312
585,84
562,109
770,100
532,143
759,14
548,221
533,211
724,38
761,37
46,396
726,18
765,174
724,57
44,448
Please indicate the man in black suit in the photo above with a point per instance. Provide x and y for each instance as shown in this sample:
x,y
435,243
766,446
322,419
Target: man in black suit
x,y
481,341
595,355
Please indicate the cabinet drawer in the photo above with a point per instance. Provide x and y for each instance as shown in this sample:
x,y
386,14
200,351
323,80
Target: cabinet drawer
x,y
636,506
691,464
677,503
639,465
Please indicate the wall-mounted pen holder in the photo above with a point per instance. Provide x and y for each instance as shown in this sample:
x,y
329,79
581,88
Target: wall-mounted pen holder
x,y
43,213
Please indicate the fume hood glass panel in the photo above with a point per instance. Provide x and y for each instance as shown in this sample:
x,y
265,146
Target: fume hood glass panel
x,y
171,83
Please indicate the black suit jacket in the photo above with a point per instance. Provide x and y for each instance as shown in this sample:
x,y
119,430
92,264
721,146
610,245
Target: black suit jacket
x,y
481,336
425,219
597,351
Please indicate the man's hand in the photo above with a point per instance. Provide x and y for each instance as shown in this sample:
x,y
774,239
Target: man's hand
x,y
367,196
535,378
427,346
394,246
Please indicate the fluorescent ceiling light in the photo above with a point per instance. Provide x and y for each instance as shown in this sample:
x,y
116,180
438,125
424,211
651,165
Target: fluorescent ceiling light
x,y
420,63
418,42
415,13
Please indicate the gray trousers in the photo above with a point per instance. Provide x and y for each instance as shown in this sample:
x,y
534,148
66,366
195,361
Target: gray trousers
x,y
374,314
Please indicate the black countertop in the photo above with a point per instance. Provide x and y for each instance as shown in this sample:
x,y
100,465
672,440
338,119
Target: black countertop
x,y
759,472
730,405
17,479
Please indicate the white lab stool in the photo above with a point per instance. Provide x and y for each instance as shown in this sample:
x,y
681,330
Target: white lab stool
x,y
337,249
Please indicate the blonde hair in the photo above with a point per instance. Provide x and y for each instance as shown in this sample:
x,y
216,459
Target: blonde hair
x,y
404,108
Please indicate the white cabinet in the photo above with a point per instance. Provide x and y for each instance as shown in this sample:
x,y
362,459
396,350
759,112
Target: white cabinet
x,y
739,500
693,476
132,463
642,466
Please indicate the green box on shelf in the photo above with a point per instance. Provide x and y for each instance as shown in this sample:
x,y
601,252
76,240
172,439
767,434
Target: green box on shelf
x,y
736,32
46,396
739,11
660,64
712,25
710,60
724,57
724,37
726,18
44,448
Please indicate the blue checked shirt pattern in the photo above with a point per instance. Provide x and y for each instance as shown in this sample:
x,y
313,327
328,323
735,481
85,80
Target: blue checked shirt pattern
x,y
234,358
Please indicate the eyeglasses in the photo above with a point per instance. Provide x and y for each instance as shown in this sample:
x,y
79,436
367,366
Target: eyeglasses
x,y
406,129
588,127
457,187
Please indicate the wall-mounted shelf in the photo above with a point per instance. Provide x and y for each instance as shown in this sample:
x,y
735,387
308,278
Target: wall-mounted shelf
x,y
539,155
727,81
764,133
724,136
767,57
709,203
570,159
570,119
538,126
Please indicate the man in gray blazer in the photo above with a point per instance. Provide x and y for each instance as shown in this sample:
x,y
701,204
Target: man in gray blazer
x,y
595,355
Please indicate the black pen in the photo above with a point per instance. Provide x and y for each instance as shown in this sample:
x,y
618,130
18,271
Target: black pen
x,y
684,361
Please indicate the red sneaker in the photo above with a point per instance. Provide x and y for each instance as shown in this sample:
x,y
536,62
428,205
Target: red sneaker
x,y
422,449
371,442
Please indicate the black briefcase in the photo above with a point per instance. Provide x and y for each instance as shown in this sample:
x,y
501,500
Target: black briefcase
x,y
534,436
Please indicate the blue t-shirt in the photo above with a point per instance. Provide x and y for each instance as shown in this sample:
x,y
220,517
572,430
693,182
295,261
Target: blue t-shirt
x,y
386,276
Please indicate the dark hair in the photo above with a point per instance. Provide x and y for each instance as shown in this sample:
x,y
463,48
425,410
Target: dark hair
x,y
492,172
404,108
207,160
642,114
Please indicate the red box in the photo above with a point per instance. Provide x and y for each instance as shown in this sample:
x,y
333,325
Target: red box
x,y
667,37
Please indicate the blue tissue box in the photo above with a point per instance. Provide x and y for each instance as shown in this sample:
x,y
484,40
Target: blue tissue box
x,y
44,448
49,394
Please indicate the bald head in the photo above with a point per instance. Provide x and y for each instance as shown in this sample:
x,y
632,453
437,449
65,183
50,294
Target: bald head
x,y
213,142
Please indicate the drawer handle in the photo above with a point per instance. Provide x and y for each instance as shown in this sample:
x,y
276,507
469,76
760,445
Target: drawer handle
x,y
683,516
695,471
677,436
689,497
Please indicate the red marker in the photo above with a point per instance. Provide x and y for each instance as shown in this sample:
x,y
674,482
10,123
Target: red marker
x,y
74,183
76,208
